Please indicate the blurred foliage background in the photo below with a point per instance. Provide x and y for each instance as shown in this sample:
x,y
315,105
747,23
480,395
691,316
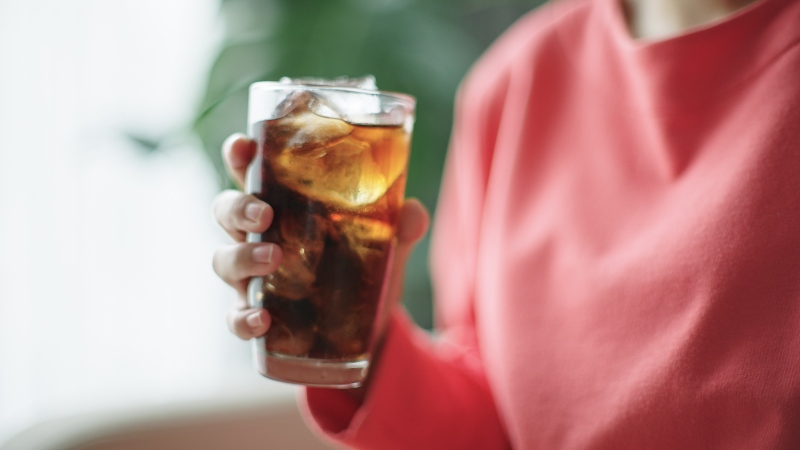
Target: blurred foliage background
x,y
421,47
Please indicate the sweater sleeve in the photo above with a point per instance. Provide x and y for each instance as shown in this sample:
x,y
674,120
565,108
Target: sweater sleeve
x,y
432,393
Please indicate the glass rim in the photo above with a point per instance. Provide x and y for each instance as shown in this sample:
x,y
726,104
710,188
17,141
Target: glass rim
x,y
276,86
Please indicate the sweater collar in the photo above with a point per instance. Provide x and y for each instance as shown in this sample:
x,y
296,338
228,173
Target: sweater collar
x,y
688,71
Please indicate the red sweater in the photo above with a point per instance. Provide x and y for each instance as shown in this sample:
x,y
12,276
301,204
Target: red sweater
x,y
617,250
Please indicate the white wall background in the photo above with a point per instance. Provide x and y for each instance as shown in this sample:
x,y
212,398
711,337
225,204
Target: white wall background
x,y
107,297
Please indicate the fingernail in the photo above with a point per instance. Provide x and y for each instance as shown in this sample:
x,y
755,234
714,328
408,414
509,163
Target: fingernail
x,y
263,254
231,139
254,319
253,211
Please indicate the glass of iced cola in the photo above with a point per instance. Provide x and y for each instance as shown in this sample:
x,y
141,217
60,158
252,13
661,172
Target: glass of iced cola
x,y
331,161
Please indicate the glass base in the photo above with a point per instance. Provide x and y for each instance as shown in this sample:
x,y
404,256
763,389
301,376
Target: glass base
x,y
313,372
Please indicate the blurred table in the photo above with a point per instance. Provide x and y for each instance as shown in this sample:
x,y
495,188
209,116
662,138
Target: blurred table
x,y
240,419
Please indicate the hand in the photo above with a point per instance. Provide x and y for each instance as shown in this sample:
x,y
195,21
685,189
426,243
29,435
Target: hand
x,y
239,214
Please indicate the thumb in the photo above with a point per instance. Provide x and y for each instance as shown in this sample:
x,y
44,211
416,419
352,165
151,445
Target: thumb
x,y
412,224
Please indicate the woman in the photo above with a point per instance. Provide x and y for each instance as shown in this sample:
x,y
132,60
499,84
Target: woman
x,y
616,255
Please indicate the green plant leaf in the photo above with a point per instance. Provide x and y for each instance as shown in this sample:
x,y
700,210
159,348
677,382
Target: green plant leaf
x,y
422,47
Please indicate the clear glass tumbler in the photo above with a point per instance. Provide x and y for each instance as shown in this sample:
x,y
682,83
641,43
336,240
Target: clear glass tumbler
x,y
332,162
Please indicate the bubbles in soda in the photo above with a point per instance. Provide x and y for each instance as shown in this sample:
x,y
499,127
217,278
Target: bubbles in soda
x,y
336,189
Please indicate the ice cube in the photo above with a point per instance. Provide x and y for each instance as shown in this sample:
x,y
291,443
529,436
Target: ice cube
x,y
321,107
291,280
350,336
343,104
365,82
296,100
283,340
303,131
368,238
390,149
343,175
362,109
350,279
302,239
328,159
292,328
362,230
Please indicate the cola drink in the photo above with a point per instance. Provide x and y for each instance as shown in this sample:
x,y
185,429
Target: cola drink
x,y
336,187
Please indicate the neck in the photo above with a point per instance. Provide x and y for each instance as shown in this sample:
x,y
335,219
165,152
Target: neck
x,y
658,19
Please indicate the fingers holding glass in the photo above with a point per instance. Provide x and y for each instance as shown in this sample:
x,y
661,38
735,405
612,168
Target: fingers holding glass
x,y
239,214
236,263
248,323
237,152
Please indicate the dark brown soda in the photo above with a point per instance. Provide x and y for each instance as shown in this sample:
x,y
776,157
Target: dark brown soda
x,y
336,199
